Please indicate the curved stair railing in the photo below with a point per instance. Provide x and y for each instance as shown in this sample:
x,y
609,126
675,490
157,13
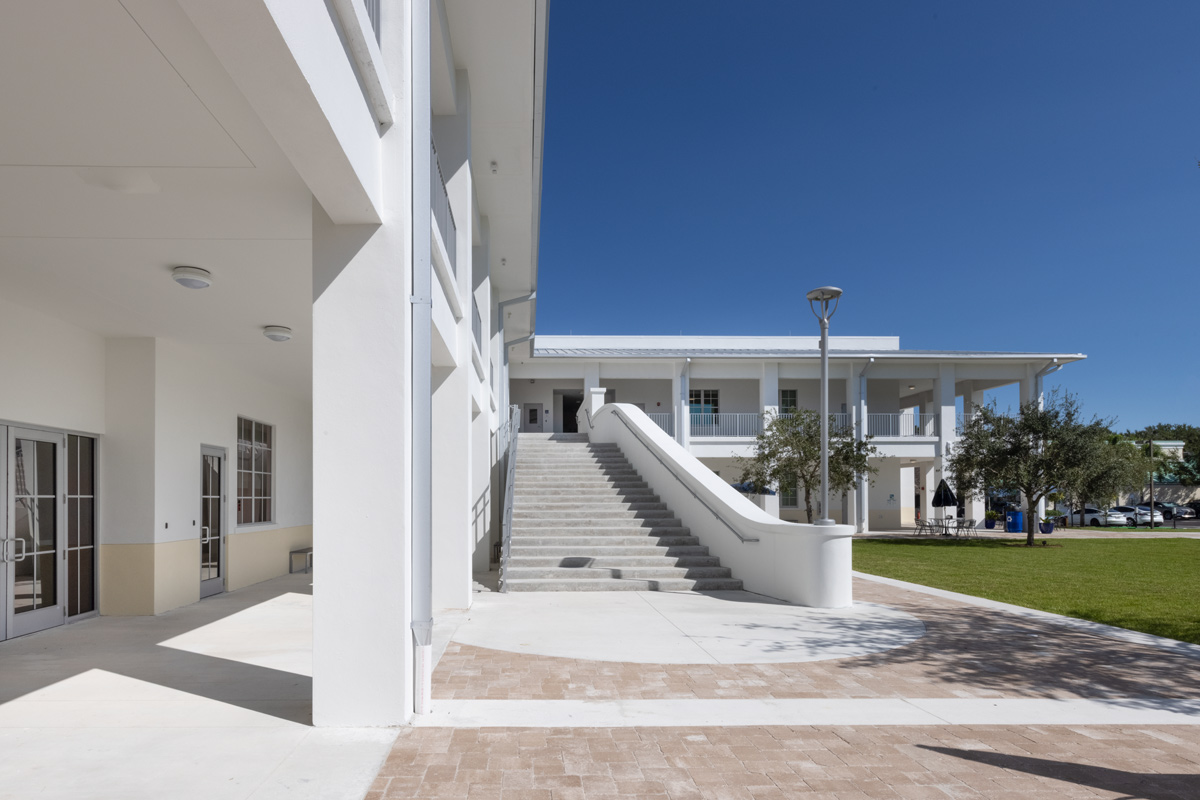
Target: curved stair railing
x,y
509,438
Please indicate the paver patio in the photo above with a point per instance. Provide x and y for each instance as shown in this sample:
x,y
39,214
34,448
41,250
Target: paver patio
x,y
967,652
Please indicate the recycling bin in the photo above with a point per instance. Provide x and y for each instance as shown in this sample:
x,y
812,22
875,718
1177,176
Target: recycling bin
x,y
1014,521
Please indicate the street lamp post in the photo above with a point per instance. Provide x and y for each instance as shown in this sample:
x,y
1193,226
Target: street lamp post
x,y
818,301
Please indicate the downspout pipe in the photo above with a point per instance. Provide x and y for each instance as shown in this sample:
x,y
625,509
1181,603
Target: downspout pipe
x,y
422,364
1053,366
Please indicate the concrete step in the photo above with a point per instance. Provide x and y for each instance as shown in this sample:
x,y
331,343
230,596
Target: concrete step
x,y
519,571
573,506
602,561
591,494
611,527
580,472
587,483
627,585
644,550
559,540
588,515
614,524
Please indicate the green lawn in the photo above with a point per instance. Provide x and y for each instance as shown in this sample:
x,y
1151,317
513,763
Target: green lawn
x,y
1149,585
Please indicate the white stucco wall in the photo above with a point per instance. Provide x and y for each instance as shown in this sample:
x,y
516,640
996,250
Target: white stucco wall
x,y
735,395
197,402
53,372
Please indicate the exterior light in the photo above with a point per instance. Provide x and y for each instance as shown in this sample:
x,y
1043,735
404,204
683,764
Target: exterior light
x,y
819,300
192,277
911,387
277,333
494,167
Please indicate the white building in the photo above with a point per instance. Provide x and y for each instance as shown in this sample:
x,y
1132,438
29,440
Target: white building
x,y
911,402
365,175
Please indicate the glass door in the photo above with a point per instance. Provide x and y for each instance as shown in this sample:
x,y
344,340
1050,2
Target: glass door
x,y
212,520
33,549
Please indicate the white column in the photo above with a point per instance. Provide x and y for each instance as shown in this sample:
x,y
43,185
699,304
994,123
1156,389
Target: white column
x,y
943,406
595,399
452,442
927,476
362,645
768,390
683,414
860,431
676,388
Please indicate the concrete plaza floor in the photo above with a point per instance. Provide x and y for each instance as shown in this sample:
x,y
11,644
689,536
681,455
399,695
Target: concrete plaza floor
x,y
212,701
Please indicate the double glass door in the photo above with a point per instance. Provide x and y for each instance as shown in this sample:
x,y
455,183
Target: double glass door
x,y
47,529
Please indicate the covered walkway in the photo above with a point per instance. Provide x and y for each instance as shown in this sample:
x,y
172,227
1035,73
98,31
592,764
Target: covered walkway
x,y
209,701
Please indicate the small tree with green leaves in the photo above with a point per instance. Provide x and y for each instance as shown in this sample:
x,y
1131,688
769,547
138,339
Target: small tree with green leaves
x,y
1036,451
788,453
1116,466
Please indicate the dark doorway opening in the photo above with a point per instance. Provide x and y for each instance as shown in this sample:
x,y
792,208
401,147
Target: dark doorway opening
x,y
571,404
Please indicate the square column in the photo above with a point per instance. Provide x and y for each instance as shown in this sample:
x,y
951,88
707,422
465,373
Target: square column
x,y
683,414
768,390
858,410
362,438
947,414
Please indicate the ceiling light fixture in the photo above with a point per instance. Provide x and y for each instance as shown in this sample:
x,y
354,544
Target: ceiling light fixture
x,y
277,333
192,277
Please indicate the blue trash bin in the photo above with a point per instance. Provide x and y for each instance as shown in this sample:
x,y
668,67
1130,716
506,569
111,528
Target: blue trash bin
x,y
1014,521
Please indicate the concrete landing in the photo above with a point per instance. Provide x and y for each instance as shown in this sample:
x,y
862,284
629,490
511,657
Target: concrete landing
x,y
681,628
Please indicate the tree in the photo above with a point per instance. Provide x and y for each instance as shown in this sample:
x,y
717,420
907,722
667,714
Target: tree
x,y
1117,466
1185,470
788,453
1037,451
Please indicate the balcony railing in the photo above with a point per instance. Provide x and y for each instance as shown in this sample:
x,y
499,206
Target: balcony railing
x,y
664,420
839,422
440,203
736,424
904,424
477,325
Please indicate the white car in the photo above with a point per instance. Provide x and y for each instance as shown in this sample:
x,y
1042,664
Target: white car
x,y
1140,515
1098,519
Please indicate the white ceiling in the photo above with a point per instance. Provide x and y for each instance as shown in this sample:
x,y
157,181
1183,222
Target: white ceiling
x,y
145,159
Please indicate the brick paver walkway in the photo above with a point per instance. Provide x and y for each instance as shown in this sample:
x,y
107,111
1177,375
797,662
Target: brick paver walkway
x,y
998,763
968,652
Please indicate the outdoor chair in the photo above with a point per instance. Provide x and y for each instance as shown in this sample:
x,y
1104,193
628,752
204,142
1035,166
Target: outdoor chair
x,y
967,527
923,527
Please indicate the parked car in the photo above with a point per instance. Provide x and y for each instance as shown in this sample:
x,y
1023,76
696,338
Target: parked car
x,y
1141,515
1098,519
1174,511
1194,506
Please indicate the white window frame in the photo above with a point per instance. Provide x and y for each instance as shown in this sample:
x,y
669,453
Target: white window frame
x,y
238,472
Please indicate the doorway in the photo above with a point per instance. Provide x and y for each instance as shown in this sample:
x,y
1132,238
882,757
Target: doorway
x,y
570,407
531,418
212,520
33,523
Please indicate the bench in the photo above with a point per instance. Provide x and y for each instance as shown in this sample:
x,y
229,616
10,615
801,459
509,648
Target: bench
x,y
303,551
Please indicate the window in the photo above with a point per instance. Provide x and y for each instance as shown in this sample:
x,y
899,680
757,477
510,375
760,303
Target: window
x,y
704,401
787,401
789,498
255,469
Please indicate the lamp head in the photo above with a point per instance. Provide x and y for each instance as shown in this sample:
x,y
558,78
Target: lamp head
x,y
824,295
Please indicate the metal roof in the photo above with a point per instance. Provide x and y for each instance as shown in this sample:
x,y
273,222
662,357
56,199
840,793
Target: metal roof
x,y
651,352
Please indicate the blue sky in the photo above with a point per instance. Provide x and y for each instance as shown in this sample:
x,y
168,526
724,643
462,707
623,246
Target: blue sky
x,y
1001,176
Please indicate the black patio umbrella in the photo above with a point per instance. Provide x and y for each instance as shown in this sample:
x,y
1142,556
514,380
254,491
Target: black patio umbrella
x,y
944,497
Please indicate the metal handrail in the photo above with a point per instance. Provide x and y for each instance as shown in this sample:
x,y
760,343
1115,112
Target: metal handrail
x,y
510,471
699,499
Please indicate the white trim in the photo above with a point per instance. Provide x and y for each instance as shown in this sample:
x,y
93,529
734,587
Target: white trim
x,y
809,711
367,58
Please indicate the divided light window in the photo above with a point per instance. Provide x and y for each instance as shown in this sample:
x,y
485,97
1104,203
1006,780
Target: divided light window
x,y
255,470
787,401
704,401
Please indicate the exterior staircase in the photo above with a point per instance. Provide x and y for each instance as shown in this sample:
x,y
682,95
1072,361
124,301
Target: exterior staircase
x,y
584,520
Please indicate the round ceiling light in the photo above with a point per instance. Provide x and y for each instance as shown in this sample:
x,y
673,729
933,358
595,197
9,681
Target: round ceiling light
x,y
277,333
192,277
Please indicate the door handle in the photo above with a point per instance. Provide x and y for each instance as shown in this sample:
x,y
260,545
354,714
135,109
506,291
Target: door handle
x,y
24,550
